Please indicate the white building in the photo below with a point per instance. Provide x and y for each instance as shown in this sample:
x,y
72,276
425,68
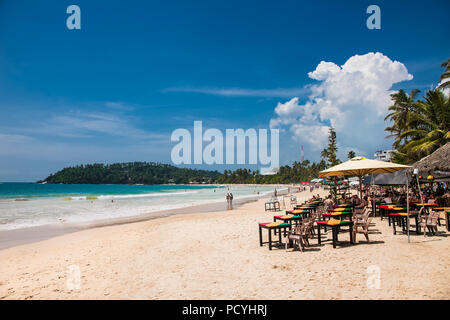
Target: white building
x,y
383,155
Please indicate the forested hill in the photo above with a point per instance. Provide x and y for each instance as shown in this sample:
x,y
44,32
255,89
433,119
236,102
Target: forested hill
x,y
131,173
157,173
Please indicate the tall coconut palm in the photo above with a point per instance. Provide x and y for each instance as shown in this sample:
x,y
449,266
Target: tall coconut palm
x,y
399,115
445,77
428,124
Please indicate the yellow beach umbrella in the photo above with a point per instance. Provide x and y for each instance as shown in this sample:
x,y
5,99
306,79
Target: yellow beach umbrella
x,y
360,166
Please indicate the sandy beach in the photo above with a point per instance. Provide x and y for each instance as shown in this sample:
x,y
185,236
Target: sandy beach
x,y
216,255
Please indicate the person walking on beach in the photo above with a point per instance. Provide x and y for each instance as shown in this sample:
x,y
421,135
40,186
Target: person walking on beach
x,y
228,201
231,201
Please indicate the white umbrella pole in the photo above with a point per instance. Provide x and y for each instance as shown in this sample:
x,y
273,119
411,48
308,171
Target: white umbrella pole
x,y
420,191
360,187
407,203
374,206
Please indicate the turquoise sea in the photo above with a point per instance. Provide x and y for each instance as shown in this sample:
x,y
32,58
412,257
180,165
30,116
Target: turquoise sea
x,y
25,205
10,190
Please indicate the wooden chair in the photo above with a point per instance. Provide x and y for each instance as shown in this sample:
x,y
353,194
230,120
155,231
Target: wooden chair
x,y
429,222
298,237
362,227
309,228
319,212
360,216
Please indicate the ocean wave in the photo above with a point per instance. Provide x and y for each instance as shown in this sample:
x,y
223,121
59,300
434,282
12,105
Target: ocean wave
x,y
16,215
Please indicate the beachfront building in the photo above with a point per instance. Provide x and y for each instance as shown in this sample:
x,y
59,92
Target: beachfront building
x,y
383,155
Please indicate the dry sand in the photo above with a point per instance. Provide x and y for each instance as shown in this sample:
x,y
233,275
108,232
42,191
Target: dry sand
x,y
217,256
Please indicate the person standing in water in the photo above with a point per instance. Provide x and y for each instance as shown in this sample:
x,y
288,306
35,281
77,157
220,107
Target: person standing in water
x,y
228,201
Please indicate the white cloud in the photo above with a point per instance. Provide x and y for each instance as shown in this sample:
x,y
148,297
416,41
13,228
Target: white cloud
x,y
81,124
446,90
353,98
243,92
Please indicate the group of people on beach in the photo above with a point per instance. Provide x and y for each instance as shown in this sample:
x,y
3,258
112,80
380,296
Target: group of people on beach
x,y
229,201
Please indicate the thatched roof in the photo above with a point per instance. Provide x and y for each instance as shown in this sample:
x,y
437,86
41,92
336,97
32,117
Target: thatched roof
x,y
437,161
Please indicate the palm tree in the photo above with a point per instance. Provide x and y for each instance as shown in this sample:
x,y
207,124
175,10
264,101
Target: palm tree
x,y
399,115
324,154
428,124
351,154
445,75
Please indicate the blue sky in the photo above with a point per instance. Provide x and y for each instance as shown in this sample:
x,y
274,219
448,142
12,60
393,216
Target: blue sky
x,y
116,89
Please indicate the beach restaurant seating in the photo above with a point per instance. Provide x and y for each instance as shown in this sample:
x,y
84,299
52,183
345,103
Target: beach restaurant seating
x,y
298,237
361,216
429,222
362,226
319,212
272,205
309,225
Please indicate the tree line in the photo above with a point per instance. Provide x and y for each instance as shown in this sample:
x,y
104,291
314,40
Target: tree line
x,y
158,173
297,172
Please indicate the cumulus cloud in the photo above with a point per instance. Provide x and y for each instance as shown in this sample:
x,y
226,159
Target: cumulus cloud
x,y
353,98
445,90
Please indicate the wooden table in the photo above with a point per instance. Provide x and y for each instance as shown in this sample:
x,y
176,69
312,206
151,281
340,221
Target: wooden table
x,y
337,215
347,205
309,209
279,228
401,218
272,206
303,213
376,202
391,209
447,220
290,220
340,210
426,206
335,230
